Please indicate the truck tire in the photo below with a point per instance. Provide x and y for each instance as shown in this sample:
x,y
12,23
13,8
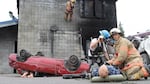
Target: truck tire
x,y
146,58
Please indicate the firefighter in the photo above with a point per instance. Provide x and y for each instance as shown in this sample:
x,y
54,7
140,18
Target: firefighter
x,y
69,10
97,45
127,58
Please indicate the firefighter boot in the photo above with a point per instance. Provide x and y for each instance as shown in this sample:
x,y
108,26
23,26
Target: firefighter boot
x,y
147,67
142,73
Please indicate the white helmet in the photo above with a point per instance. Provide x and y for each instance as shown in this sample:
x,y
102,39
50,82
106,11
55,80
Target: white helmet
x,y
114,31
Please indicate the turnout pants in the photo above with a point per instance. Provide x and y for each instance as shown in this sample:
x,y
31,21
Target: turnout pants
x,y
135,71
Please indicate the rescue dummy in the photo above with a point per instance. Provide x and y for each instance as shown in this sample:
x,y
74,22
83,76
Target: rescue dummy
x,y
108,73
69,10
106,70
127,58
103,71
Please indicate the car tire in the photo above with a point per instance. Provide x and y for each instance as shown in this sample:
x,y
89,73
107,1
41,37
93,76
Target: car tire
x,y
146,58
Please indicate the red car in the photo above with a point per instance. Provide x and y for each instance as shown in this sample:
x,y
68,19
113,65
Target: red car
x,y
48,65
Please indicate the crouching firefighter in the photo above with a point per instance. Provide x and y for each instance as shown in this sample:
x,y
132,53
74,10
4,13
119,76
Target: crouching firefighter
x,y
98,46
127,58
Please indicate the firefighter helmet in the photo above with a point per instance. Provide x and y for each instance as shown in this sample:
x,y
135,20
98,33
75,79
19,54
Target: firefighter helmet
x,y
115,31
104,33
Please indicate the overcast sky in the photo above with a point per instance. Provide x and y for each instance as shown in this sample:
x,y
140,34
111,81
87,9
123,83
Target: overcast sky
x,y
5,7
133,14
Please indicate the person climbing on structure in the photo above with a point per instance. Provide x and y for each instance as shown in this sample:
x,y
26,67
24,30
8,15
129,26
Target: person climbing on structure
x,y
69,10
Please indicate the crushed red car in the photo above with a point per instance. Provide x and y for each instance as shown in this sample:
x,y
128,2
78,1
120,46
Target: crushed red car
x,y
48,65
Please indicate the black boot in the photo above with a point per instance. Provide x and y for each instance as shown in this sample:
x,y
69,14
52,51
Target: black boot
x,y
147,67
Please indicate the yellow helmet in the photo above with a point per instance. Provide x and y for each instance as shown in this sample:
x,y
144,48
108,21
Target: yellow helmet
x,y
73,1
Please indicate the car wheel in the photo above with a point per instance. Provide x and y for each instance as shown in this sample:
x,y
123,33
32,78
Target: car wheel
x,y
146,58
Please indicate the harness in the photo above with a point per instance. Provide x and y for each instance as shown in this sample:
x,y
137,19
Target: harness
x,y
98,50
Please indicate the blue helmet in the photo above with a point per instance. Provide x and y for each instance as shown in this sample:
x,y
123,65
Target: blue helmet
x,y
104,33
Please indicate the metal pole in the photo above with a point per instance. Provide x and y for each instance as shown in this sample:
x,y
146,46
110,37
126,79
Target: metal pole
x,y
53,29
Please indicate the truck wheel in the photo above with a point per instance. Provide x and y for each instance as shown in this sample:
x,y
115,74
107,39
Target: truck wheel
x,y
146,58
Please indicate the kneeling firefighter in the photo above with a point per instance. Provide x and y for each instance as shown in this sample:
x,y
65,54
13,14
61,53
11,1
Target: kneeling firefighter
x,y
127,58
